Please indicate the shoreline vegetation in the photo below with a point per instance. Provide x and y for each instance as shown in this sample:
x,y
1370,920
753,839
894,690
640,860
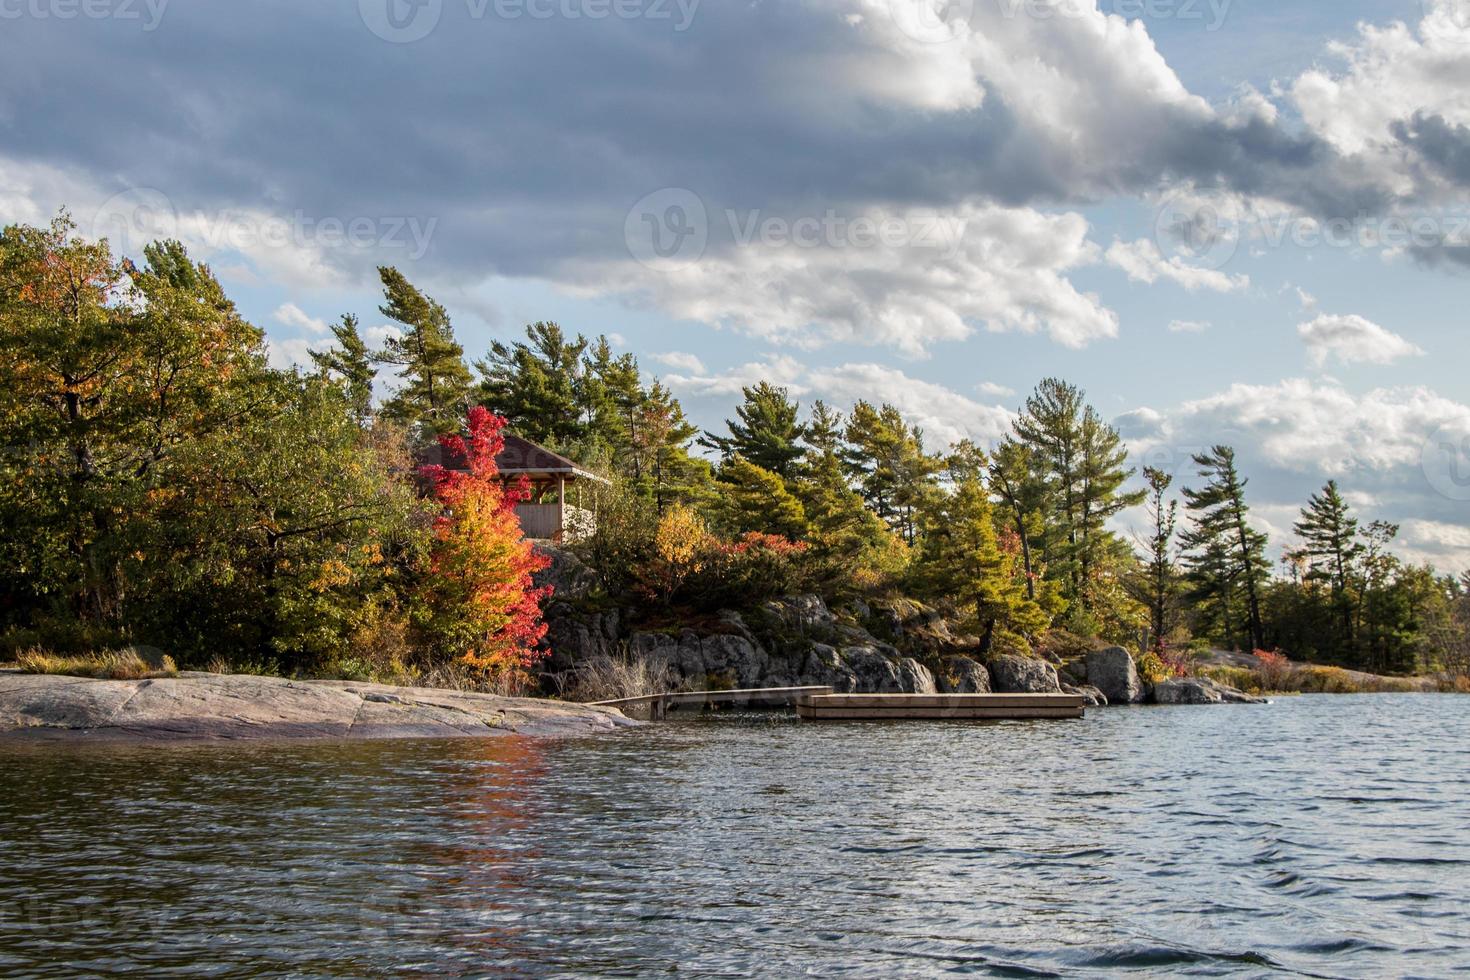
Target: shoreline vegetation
x,y
171,497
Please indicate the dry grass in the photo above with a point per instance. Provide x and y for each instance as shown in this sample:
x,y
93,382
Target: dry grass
x,y
110,665
1309,679
613,678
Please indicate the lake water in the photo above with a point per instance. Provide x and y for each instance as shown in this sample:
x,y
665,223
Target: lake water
x,y
1317,836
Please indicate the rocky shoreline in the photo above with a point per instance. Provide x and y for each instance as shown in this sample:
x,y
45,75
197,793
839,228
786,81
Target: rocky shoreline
x,y
899,647
214,707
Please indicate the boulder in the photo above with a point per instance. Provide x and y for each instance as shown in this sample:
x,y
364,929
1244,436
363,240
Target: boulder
x,y
915,678
1023,675
963,675
1200,690
802,613
1090,695
568,576
217,706
1113,673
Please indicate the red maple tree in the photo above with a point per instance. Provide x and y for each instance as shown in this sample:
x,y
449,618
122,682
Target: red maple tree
x,y
482,598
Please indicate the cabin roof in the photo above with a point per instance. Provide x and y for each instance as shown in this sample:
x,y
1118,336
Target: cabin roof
x,y
522,456
519,457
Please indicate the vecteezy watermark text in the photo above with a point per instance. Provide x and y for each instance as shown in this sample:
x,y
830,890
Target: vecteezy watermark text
x,y
1208,235
939,21
406,21
143,215
147,14
671,228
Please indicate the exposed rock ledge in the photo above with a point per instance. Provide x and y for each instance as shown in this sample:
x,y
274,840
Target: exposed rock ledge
x,y
211,706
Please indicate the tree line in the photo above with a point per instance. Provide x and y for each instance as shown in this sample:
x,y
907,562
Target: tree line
x,y
164,485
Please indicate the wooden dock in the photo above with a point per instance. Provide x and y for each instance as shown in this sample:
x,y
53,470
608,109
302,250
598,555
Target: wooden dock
x,y
658,704
937,707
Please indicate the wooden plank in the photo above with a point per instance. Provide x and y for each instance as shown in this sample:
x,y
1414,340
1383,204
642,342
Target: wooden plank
x,y
948,701
701,697
936,714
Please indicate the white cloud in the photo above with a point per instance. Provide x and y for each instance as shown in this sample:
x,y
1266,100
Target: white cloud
x,y
294,352
1389,74
292,315
1143,262
1003,269
993,390
946,416
1306,426
1292,436
1188,326
1353,340
681,361
778,369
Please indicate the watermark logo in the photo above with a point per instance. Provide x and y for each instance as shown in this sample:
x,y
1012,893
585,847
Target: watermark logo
x,y
1199,234
668,229
146,14
401,21
142,215
136,217
933,21
406,21
1446,462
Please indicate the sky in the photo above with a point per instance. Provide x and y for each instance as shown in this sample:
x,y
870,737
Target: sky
x,y
1229,221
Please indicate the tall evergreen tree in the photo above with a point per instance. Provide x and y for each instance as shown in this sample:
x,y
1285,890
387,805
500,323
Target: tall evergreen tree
x,y
963,563
752,498
539,386
1160,585
895,474
351,363
435,389
1023,492
1228,554
1084,462
658,460
1331,548
765,431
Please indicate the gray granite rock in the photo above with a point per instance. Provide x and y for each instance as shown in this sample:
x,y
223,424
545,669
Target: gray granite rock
x,y
1023,675
1200,690
212,707
962,675
1113,672
1091,695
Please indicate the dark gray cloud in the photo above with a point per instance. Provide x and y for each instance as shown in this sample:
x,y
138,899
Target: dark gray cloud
x,y
529,139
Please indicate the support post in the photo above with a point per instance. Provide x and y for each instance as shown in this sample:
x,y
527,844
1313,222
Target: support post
x,y
561,505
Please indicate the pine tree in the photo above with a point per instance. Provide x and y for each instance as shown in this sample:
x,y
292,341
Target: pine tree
x,y
1159,589
752,498
894,473
1022,489
435,393
351,363
539,386
765,432
1084,462
1331,547
964,563
1229,554
659,463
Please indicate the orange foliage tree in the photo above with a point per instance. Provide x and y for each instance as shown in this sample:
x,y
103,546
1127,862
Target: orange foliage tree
x,y
483,606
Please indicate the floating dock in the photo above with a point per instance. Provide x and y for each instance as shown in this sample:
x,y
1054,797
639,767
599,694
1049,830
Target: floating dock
x,y
937,707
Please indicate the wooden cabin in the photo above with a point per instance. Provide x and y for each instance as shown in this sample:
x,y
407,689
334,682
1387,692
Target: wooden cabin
x,y
555,509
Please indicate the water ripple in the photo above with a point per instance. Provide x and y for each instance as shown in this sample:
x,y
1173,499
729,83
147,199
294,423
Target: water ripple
x,y
1315,837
